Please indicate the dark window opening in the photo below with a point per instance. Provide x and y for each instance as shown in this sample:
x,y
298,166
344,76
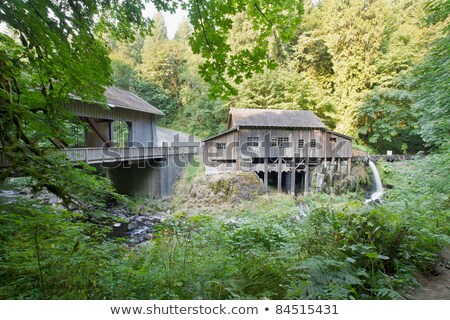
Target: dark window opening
x,y
78,135
220,145
313,143
121,134
253,141
333,139
301,143
280,142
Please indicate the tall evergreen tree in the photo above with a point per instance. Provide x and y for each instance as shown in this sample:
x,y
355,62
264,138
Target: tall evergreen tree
x,y
184,31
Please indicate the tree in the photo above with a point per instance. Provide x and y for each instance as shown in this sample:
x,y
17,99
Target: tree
x,y
283,89
212,24
57,54
432,78
184,31
62,51
386,116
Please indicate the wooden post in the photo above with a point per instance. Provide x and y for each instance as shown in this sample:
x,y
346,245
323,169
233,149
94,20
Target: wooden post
x,y
279,174
332,165
305,192
339,165
293,170
266,173
349,166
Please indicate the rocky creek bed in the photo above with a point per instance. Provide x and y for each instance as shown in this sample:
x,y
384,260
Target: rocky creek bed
x,y
134,228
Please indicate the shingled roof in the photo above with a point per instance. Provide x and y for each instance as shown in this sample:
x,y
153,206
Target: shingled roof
x,y
124,99
240,117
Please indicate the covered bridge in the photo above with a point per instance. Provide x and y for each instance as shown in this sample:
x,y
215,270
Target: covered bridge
x,y
279,145
129,121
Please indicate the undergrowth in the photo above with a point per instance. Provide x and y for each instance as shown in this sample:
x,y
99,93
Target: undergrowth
x,y
266,248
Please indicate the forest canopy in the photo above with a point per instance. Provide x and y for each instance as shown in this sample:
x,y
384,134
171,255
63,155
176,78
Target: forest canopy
x,y
54,49
376,71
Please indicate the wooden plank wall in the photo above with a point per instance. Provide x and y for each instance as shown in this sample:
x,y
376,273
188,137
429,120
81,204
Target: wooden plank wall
x,y
325,148
342,148
230,153
143,124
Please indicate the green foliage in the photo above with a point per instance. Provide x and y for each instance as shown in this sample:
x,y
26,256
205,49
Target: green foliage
x,y
282,89
343,249
160,99
432,80
212,25
49,253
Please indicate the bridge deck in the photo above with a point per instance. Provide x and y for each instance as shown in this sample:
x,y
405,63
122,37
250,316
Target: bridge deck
x,y
105,155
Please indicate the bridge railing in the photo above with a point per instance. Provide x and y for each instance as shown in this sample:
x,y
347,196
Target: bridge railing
x,y
103,155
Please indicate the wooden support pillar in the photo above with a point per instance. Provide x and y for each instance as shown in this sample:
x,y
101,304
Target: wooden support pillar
x,y
319,164
306,189
349,167
332,165
280,162
339,165
293,171
266,173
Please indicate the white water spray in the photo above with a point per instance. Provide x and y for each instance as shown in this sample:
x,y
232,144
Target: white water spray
x,y
379,187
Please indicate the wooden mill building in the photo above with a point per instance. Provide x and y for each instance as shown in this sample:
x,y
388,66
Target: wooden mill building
x,y
279,145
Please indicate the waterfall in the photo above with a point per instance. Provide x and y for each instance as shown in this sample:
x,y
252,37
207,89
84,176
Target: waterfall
x,y
379,187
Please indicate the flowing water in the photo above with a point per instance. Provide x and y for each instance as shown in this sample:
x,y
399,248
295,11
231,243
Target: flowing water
x,y
376,196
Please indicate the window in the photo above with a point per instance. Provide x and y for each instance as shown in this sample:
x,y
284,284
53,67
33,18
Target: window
x,y
301,143
333,139
78,136
313,143
280,142
121,133
253,141
220,145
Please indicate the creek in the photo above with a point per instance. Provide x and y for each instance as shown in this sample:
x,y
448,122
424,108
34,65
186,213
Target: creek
x,y
134,228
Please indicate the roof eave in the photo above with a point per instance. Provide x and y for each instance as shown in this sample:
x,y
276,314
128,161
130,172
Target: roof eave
x,y
340,134
221,134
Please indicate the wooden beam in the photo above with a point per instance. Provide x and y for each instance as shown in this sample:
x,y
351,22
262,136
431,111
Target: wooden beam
x,y
96,129
293,171
266,173
279,174
349,167
58,143
306,189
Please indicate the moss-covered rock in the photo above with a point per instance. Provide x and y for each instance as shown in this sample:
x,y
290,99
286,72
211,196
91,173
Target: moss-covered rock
x,y
220,190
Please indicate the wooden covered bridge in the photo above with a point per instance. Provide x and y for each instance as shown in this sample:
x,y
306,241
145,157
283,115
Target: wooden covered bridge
x,y
279,145
122,141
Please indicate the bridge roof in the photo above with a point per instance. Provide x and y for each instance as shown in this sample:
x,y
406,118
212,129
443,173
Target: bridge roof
x,y
124,99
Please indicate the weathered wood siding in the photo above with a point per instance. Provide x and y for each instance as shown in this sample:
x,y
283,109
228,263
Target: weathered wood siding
x,y
291,150
93,140
230,152
240,144
143,124
337,146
